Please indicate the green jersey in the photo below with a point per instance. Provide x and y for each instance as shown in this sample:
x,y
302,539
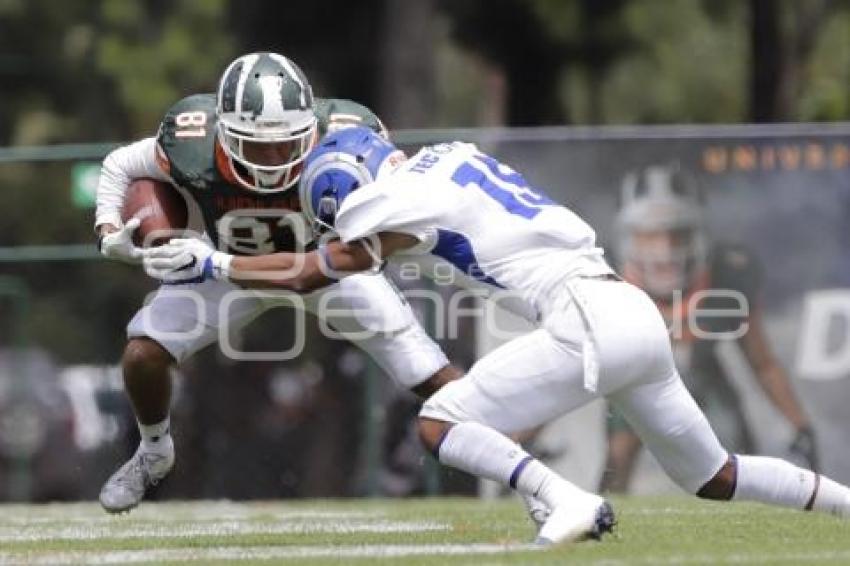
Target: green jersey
x,y
249,223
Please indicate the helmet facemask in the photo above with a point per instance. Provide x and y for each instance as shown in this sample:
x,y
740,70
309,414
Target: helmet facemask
x,y
663,261
266,162
266,123
332,177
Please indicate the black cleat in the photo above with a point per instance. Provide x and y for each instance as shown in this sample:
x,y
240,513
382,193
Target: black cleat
x,y
605,522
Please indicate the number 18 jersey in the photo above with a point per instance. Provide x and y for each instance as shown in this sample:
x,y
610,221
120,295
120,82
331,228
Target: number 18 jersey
x,y
482,217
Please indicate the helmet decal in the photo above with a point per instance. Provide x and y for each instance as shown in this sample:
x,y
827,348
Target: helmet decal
x,y
272,88
267,77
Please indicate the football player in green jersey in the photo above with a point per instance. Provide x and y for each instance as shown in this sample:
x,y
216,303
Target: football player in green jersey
x,y
238,154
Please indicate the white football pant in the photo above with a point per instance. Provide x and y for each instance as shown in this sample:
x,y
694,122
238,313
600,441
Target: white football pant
x,y
365,309
537,377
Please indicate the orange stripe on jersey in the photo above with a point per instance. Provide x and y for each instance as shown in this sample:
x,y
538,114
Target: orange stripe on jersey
x,y
162,160
222,163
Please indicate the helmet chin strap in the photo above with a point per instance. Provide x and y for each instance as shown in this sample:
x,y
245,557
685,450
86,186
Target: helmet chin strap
x,y
268,179
377,262
245,177
327,228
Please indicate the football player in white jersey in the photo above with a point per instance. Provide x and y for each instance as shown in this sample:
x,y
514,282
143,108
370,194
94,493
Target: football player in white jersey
x,y
597,335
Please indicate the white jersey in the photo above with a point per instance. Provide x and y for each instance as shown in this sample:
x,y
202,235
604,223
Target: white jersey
x,y
483,218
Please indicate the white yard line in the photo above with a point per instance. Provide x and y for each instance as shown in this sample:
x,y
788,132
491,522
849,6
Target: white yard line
x,y
172,530
708,510
103,518
62,558
186,511
253,553
834,556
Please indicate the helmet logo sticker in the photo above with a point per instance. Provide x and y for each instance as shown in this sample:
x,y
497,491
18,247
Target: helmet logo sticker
x,y
272,87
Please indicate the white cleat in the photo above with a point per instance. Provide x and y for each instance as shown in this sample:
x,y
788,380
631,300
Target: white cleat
x,y
126,487
536,509
570,523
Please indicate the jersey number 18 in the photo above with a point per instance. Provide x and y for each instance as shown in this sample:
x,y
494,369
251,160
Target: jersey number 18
x,y
507,187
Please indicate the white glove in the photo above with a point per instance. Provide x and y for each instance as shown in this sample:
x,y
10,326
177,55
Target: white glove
x,y
185,260
119,245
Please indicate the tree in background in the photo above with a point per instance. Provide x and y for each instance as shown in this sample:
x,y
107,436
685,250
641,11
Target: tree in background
x,y
89,71
407,86
156,52
97,71
337,45
45,57
511,34
783,38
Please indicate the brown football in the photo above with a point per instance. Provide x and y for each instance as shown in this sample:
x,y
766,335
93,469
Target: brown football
x,y
161,209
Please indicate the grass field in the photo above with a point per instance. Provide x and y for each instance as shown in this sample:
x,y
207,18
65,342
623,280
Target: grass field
x,y
411,532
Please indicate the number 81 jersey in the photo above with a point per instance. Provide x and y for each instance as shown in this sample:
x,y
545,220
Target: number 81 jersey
x,y
482,217
238,220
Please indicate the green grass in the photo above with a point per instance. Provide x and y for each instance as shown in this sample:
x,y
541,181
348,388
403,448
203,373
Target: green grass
x,y
671,530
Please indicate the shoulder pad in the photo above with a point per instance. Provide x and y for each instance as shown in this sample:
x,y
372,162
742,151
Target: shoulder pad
x,y
187,138
735,267
732,256
336,113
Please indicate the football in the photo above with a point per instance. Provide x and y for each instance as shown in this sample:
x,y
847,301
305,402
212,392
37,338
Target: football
x,y
159,206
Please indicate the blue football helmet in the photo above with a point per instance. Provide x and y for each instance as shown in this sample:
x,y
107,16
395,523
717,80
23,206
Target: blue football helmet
x,y
342,162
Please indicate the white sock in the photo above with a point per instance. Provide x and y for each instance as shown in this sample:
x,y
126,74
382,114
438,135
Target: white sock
x,y
157,437
832,498
536,509
481,451
550,488
777,482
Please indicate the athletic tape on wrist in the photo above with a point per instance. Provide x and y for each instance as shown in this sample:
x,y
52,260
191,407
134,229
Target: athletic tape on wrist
x,y
217,266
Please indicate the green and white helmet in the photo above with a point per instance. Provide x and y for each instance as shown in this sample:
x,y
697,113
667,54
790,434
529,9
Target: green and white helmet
x,y
266,121
662,235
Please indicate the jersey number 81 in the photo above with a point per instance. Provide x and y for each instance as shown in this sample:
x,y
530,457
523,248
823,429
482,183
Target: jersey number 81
x,y
191,124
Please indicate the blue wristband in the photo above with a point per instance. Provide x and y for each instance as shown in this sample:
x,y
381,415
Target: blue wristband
x,y
322,250
208,272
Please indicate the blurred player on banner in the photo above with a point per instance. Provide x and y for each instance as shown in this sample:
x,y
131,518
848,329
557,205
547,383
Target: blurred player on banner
x,y
663,248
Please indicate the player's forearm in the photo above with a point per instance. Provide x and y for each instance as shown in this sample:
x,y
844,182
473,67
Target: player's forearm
x,y
297,272
771,376
120,167
776,384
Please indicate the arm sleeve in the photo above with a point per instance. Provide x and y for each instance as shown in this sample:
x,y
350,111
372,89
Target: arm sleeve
x,y
374,209
137,160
